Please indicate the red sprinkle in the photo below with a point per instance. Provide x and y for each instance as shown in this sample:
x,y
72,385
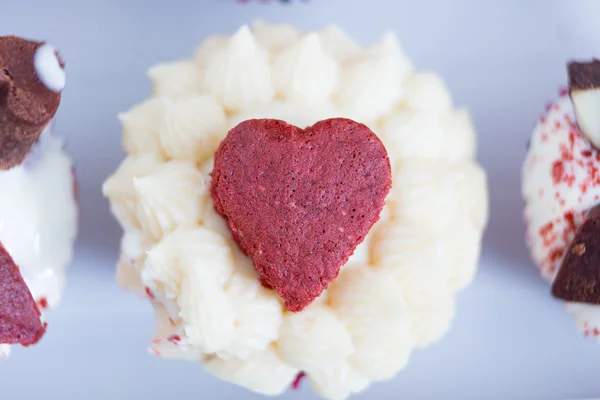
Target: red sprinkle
x,y
570,228
149,292
155,352
563,91
547,233
558,170
174,338
298,380
42,303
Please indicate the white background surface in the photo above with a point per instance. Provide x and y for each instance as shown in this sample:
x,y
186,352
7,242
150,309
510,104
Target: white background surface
x,y
503,59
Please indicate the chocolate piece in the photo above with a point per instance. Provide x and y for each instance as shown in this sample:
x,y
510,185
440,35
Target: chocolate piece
x,y
584,89
26,104
584,75
19,315
578,279
298,202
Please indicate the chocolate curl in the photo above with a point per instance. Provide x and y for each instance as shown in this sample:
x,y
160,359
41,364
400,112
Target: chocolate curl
x,y
578,279
27,105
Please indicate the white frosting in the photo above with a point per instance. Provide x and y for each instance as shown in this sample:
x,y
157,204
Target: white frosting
x,y
338,43
397,291
371,81
38,220
304,72
48,69
426,91
239,73
208,49
558,189
4,351
176,79
275,37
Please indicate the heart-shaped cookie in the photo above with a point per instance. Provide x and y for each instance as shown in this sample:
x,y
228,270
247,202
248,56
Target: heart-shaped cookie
x,y
19,315
298,202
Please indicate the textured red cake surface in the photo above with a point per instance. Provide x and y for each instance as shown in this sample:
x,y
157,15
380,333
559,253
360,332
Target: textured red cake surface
x,y
298,202
19,315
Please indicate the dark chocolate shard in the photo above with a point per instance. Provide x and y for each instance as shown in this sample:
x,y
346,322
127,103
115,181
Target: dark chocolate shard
x,y
578,279
584,75
20,321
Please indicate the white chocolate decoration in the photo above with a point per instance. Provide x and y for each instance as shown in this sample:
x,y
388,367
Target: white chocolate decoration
x,y
395,294
586,104
38,219
48,69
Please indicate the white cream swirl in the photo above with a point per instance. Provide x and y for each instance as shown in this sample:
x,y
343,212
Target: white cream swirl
x,y
304,72
275,37
239,73
370,83
180,78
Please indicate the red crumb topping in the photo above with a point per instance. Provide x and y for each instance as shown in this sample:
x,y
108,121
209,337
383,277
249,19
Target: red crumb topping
x,y
149,292
155,352
298,380
174,338
558,170
547,233
563,91
42,303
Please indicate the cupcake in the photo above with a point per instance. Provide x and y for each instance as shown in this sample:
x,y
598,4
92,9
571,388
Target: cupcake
x,y
295,205
38,212
561,188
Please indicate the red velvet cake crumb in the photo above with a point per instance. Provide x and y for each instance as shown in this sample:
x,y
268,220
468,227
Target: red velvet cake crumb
x,y
19,314
298,202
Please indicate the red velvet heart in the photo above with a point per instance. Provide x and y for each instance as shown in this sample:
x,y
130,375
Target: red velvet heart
x,y
298,202
19,315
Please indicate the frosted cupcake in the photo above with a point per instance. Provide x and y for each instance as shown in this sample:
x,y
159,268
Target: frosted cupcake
x,y
213,192
561,187
38,210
